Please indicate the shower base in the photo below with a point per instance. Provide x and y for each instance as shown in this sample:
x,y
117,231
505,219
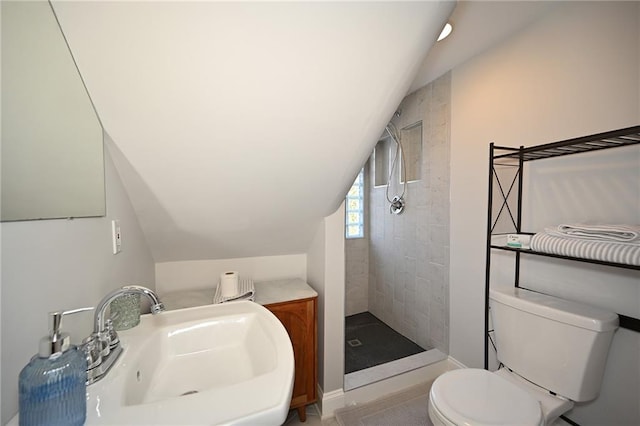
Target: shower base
x,y
370,342
410,368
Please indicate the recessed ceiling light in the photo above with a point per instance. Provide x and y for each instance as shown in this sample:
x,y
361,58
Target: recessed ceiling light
x,y
445,32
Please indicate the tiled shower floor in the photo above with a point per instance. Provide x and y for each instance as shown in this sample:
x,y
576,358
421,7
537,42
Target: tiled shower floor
x,y
371,342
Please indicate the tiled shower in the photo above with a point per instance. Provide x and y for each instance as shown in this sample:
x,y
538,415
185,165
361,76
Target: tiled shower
x,y
399,271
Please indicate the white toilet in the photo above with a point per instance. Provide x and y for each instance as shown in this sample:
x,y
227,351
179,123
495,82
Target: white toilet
x,y
554,352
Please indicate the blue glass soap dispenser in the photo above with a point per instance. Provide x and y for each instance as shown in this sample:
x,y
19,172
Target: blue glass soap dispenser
x,y
53,385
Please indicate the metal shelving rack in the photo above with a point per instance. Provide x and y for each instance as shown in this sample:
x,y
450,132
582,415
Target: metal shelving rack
x,y
510,208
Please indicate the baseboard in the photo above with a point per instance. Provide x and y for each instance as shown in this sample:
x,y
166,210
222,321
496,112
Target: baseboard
x,y
329,402
455,363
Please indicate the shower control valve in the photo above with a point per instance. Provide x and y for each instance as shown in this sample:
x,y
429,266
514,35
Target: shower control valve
x,y
397,205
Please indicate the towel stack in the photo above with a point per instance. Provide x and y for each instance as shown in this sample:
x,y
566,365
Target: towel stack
x,y
609,243
246,291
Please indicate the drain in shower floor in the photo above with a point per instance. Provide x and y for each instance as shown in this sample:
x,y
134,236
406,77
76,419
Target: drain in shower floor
x,y
354,343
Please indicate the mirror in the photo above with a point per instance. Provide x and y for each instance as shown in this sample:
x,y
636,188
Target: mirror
x,y
52,139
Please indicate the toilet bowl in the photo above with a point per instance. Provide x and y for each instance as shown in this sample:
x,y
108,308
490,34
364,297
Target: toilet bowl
x,y
478,397
481,398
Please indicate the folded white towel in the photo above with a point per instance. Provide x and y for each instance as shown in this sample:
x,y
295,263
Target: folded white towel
x,y
616,233
246,291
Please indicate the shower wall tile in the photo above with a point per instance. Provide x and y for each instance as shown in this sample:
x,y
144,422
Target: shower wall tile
x,y
439,114
409,253
422,261
438,241
357,271
411,331
398,293
416,194
442,90
437,285
357,276
411,308
398,312
439,206
422,229
422,338
422,295
410,276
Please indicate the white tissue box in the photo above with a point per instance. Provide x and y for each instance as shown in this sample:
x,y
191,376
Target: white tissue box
x,y
518,240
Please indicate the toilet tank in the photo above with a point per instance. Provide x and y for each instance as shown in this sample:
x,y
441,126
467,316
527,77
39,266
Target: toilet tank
x,y
557,344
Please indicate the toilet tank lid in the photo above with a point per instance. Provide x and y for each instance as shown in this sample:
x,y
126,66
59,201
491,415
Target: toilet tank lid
x,y
554,308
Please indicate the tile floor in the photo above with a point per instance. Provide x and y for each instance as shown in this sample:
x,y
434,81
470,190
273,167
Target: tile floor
x,y
313,419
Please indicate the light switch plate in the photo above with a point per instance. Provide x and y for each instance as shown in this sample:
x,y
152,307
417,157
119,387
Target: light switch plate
x,y
116,236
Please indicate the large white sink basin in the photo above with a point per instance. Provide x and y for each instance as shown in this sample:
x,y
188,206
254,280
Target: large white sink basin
x,y
209,365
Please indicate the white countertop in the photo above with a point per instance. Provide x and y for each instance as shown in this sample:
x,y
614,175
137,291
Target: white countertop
x,y
267,292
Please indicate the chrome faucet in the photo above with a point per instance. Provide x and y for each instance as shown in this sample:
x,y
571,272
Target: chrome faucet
x,y
99,317
102,347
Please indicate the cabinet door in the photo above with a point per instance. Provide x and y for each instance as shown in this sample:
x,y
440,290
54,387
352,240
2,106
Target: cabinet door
x,y
299,318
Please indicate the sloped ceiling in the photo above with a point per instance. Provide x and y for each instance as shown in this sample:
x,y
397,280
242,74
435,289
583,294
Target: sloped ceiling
x,y
236,127
478,26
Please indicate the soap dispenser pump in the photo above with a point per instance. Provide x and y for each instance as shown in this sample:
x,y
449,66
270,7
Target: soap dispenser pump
x,y
52,385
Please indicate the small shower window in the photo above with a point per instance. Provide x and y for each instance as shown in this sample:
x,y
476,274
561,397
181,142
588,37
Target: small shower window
x,y
354,226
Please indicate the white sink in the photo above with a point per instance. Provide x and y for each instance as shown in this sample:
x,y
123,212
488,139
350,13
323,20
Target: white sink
x,y
217,364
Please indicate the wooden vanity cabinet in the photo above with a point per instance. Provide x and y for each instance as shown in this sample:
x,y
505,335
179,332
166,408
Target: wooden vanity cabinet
x,y
299,317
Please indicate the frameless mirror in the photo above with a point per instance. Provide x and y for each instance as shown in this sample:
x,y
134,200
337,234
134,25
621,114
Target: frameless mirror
x,y
52,141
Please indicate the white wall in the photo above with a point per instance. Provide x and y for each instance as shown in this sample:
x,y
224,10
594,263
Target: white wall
x,y
573,73
316,278
197,274
61,264
326,274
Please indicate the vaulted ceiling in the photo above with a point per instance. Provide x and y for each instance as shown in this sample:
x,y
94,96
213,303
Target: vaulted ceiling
x,y
236,127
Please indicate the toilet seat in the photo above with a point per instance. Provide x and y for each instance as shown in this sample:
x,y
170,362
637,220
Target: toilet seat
x,y
478,397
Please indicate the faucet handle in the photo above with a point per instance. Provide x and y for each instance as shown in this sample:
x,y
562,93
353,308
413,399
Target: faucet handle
x,y
111,332
102,342
92,350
